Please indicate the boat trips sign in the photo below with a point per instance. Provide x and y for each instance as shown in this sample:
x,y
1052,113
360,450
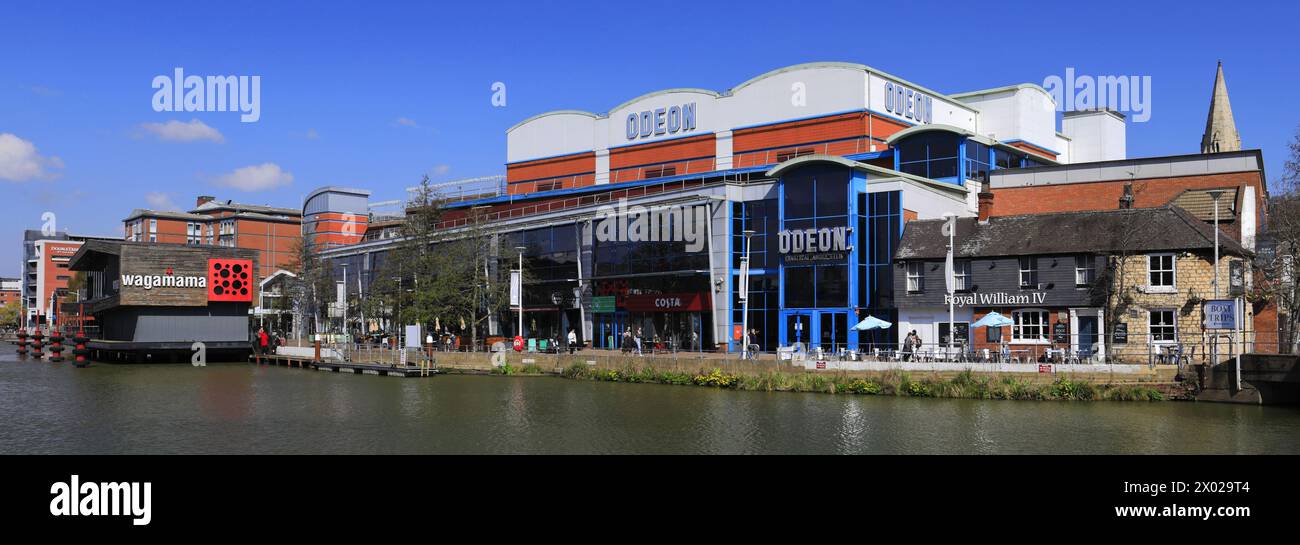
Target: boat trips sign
x,y
1220,314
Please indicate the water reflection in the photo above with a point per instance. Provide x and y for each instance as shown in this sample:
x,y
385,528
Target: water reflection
x,y
237,408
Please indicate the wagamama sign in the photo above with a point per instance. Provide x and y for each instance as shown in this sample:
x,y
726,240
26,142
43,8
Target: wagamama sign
x,y
168,280
668,223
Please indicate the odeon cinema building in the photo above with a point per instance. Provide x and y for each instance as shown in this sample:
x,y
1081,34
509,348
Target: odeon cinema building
x,y
640,217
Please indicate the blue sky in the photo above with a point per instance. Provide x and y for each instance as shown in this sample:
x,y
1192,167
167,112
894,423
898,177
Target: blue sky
x,y
337,78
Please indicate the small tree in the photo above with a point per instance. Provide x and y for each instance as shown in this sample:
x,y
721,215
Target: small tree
x,y
1275,261
10,314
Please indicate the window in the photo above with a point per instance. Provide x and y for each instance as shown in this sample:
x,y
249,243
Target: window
x,y
153,226
961,275
1162,326
1085,270
1160,271
783,156
915,277
977,161
931,155
963,333
660,172
1029,325
1028,273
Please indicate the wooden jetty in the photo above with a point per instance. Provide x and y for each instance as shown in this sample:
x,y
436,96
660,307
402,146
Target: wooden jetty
x,y
358,368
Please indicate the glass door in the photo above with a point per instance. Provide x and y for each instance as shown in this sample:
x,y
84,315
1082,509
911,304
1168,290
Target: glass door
x,y
798,329
834,331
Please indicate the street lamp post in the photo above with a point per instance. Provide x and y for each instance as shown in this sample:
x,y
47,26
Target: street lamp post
x,y
1216,194
397,314
744,298
521,288
344,302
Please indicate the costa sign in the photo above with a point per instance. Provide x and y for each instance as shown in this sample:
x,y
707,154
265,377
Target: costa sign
x,y
661,121
665,302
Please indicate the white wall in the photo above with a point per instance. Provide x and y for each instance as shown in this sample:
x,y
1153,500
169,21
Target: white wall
x,y
797,92
1095,136
1024,112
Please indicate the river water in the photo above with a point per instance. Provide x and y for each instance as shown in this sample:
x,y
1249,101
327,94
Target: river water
x,y
239,408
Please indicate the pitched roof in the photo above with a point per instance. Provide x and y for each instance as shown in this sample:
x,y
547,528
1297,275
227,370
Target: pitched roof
x,y
1104,231
1200,204
240,207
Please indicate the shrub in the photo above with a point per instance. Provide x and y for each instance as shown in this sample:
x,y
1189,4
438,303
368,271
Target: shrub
x,y
861,386
917,389
716,378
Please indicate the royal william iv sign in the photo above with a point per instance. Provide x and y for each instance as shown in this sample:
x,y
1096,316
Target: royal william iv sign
x,y
806,245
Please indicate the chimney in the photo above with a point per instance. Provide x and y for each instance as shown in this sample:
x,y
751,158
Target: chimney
x,y
204,199
1126,200
986,206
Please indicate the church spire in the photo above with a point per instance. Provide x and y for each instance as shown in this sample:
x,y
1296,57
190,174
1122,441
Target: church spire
x,y
1220,130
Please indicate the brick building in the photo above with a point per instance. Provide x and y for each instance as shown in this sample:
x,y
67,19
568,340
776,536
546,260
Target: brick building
x,y
273,232
1110,285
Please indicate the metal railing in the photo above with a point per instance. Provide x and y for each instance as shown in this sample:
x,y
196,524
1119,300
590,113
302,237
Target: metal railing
x,y
605,197
847,146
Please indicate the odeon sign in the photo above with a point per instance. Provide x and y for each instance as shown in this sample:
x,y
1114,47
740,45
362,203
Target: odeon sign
x,y
813,241
661,121
908,104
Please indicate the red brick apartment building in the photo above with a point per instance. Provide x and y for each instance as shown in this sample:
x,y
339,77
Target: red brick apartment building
x,y
274,232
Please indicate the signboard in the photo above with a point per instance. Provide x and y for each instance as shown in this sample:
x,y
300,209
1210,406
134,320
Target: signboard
x,y
1236,278
412,336
665,302
811,245
230,280
661,121
1044,368
1220,314
821,365
603,303
516,289
997,299
1120,334
736,332
1061,333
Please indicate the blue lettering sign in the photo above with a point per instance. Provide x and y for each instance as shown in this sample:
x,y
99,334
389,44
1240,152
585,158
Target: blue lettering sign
x,y
908,104
647,123
661,121
1220,314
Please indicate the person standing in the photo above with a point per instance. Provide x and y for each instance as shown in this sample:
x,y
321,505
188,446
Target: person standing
x,y
637,338
573,340
262,341
626,345
908,345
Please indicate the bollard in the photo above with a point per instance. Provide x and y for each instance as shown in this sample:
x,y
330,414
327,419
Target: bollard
x,y
36,344
317,358
22,343
56,347
80,352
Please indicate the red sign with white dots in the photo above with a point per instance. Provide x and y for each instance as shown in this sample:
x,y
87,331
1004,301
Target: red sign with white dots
x,y
230,280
